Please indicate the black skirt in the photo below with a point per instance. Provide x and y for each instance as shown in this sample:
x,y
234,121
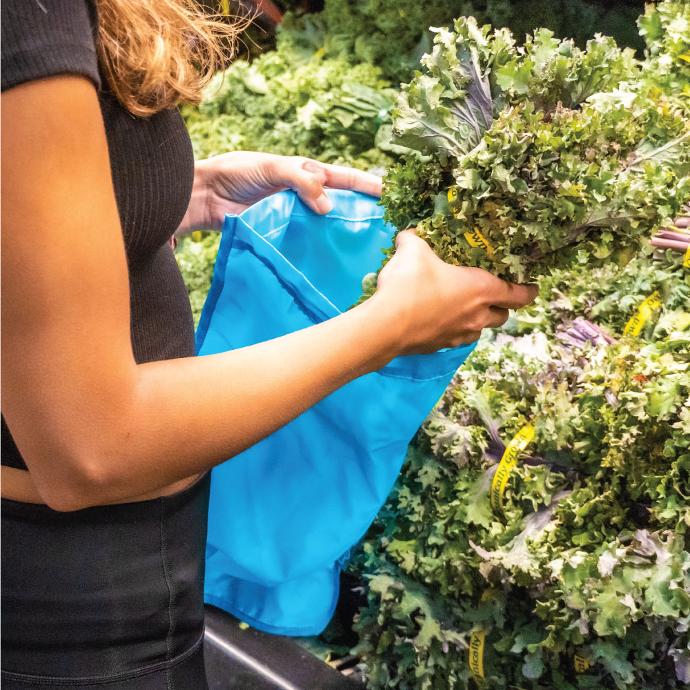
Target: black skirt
x,y
110,596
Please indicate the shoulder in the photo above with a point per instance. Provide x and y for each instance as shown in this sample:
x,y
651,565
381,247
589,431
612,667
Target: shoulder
x,y
43,38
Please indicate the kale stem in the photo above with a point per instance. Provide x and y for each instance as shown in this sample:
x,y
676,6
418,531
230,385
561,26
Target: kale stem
x,y
656,152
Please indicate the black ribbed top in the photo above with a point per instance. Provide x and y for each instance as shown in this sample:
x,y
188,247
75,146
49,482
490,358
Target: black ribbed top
x,y
152,168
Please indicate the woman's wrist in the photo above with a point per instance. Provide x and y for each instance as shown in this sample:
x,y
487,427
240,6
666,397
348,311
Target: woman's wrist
x,y
383,330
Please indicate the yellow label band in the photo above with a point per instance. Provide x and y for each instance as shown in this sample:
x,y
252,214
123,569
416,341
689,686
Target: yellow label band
x,y
476,239
686,258
475,654
510,458
644,312
581,664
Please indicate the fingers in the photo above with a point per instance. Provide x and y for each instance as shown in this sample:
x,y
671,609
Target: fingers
x,y
308,178
307,183
342,177
490,318
507,295
496,317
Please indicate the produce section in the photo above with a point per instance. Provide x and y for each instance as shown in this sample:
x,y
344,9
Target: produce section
x,y
539,534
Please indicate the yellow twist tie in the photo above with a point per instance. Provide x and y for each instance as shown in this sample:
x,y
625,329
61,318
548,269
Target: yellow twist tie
x,y
475,654
475,238
581,664
508,462
644,312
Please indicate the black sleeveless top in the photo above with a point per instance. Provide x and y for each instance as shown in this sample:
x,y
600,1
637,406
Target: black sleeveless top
x,y
152,167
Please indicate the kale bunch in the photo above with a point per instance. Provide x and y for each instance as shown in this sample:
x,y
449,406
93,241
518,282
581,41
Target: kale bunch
x,y
610,296
522,159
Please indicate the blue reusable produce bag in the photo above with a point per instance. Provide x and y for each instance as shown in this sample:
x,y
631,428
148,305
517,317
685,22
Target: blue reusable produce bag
x,y
284,513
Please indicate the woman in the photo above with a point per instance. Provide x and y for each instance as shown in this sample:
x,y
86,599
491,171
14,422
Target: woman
x,y
110,424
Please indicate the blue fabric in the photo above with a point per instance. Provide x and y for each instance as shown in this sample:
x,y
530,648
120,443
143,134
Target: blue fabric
x,y
284,513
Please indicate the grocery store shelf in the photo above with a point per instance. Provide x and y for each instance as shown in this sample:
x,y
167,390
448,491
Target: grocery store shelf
x,y
246,659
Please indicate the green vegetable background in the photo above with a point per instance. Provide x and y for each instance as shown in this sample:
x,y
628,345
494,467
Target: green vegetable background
x,y
578,576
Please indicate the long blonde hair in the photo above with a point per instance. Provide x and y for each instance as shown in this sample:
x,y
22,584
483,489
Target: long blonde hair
x,y
157,54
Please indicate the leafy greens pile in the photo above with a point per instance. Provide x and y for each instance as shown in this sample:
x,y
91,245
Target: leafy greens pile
x,y
325,92
327,88
526,158
539,536
361,30
324,108
578,574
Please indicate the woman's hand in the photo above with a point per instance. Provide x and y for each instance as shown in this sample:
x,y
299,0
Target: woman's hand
x,y
231,182
439,305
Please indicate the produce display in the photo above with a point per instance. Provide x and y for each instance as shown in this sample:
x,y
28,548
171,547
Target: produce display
x,y
567,562
322,108
361,30
539,534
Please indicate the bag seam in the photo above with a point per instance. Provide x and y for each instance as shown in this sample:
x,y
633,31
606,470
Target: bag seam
x,y
345,218
275,249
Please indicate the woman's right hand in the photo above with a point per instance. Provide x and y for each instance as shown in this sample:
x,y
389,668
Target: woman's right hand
x,y
438,305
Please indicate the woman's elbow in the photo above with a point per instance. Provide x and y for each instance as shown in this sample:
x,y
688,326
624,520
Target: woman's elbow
x,y
87,483
65,501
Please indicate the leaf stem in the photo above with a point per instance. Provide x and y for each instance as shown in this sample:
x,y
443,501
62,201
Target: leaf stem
x,y
656,152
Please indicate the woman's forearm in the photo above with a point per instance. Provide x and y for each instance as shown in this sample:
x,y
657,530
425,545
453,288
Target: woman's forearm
x,y
187,415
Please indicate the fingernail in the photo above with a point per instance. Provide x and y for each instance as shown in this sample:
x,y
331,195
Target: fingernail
x,y
310,166
323,204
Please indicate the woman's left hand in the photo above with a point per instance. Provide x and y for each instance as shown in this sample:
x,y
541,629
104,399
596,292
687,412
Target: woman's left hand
x,y
231,182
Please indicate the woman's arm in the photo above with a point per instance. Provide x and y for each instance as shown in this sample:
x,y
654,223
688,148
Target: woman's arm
x,y
93,425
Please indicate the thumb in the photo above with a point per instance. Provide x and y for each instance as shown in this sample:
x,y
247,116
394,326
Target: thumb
x,y
308,180
407,238
305,177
